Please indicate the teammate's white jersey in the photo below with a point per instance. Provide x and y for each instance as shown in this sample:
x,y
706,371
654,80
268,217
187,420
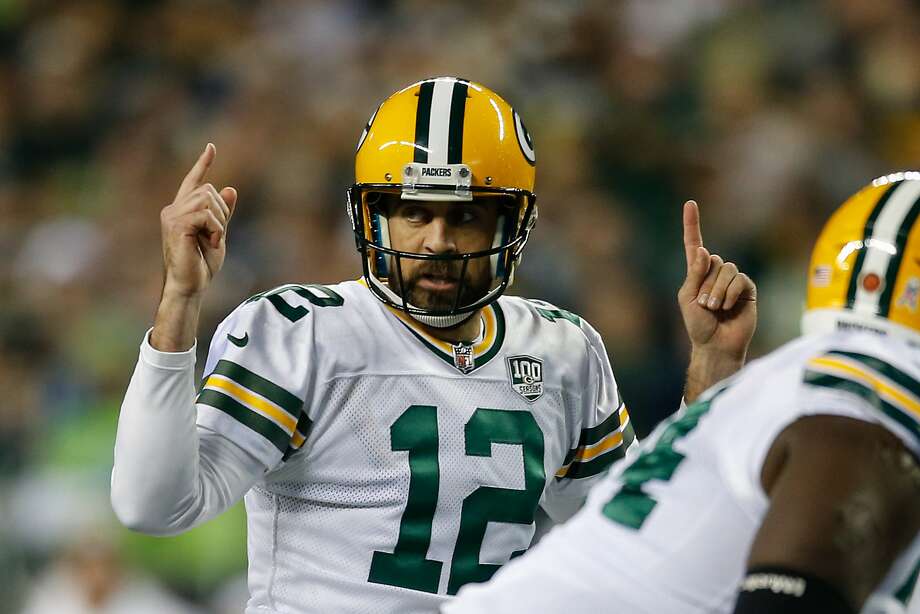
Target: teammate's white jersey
x,y
398,467
669,531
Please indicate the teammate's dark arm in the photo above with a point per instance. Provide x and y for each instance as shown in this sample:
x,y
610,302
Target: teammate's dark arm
x,y
844,503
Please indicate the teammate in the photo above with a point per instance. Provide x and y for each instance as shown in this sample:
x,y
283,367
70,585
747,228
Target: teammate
x,y
393,436
792,487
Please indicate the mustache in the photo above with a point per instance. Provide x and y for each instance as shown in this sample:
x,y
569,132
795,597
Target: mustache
x,y
441,269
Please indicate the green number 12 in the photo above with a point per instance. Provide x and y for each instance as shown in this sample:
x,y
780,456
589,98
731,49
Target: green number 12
x,y
416,431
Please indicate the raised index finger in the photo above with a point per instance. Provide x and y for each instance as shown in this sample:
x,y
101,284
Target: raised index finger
x,y
195,176
693,236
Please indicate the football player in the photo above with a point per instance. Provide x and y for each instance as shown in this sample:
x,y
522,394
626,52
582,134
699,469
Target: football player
x,y
393,436
791,487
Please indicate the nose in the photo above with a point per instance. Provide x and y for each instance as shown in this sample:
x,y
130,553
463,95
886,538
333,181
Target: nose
x,y
439,238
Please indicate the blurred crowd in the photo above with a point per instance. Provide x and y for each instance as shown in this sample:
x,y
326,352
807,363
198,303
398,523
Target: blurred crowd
x,y
768,112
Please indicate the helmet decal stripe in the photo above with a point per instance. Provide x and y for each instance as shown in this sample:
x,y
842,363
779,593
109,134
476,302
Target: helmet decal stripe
x,y
880,246
422,120
894,265
440,121
861,254
455,129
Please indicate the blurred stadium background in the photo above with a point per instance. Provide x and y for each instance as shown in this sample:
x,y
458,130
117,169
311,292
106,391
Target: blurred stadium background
x,y
768,112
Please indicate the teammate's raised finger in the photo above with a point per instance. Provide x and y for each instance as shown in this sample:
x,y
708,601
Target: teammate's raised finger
x,y
741,288
196,175
693,236
727,272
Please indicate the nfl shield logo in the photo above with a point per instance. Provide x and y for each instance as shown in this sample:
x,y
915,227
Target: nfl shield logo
x,y
463,358
526,376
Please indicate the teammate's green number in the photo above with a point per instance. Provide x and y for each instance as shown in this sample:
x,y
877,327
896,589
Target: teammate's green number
x,y
321,296
632,505
416,430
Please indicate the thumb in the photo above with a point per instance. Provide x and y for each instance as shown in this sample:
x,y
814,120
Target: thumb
x,y
229,195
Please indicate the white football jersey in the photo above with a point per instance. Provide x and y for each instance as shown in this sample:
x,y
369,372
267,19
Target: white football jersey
x,y
398,467
670,530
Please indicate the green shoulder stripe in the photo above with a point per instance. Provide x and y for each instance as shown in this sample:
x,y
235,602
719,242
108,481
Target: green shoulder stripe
x,y
304,424
258,384
585,469
242,414
871,396
592,435
876,364
596,465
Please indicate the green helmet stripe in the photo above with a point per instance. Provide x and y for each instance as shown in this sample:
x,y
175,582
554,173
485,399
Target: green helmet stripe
x,y
455,127
422,121
867,233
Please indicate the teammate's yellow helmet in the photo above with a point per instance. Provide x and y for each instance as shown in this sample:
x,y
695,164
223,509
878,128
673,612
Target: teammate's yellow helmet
x,y
450,140
865,268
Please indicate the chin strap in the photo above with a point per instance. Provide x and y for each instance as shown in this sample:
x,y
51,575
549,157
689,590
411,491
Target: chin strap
x,y
443,321
446,321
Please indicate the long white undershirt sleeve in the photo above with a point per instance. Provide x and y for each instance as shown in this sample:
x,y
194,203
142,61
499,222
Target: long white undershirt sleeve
x,y
170,474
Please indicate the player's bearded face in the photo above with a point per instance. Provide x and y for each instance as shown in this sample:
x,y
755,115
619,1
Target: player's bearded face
x,y
442,229
434,284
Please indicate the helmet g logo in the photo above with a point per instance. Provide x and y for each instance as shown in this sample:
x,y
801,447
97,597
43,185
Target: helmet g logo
x,y
367,128
525,141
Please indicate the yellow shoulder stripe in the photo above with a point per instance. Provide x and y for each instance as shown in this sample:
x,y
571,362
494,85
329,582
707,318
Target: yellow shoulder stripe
x,y
854,371
257,403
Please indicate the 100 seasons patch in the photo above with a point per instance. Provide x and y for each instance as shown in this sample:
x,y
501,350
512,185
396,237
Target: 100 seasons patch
x,y
526,374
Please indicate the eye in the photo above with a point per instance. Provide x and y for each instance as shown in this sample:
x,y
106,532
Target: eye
x,y
415,214
464,215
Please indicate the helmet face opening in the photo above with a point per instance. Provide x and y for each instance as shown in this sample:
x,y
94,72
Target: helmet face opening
x,y
448,141
388,270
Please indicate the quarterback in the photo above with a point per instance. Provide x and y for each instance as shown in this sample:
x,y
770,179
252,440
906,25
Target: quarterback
x,y
792,487
393,436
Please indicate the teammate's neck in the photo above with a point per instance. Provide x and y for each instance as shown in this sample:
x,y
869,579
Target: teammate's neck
x,y
469,331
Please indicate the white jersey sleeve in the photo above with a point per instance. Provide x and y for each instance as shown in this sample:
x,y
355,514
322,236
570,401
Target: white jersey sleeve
x,y
256,376
604,436
850,379
170,475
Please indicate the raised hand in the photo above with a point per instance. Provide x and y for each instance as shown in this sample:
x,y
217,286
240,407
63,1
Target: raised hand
x,y
719,307
194,230
194,233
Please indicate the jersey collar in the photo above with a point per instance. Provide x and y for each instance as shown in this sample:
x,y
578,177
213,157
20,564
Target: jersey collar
x,y
465,357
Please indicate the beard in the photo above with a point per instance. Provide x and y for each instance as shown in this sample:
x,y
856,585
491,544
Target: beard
x,y
472,287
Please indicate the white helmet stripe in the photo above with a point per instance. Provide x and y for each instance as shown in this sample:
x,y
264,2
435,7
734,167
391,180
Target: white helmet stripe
x,y
881,247
439,126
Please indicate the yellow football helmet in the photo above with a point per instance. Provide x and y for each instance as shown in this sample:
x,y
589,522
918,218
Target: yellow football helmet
x,y
865,268
449,140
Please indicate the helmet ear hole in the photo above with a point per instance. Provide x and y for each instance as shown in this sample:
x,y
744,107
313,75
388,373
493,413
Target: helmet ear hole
x,y
380,202
372,199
